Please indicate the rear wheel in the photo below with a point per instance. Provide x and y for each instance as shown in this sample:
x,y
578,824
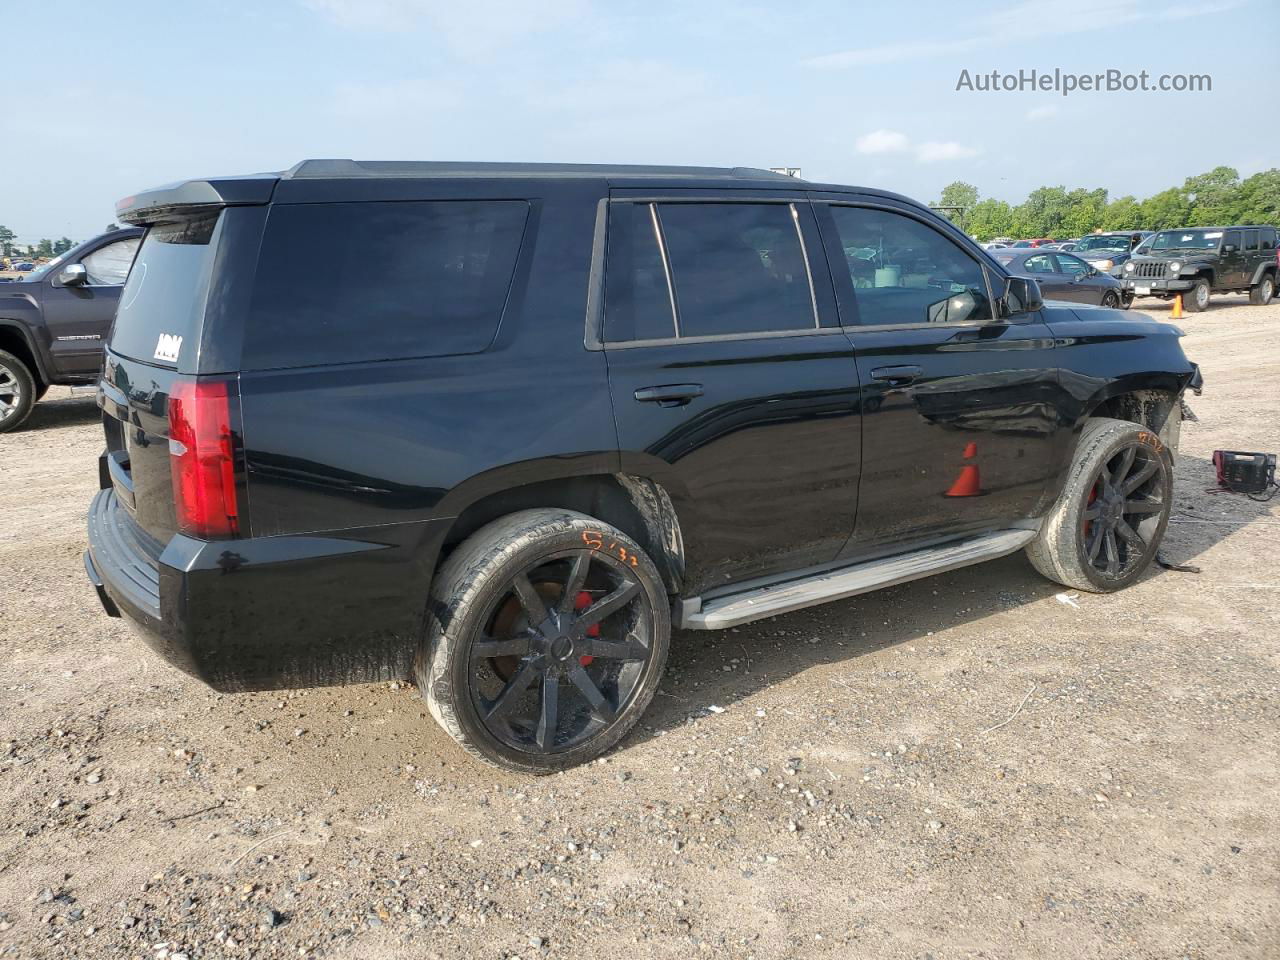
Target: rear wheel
x,y
1197,298
547,639
17,392
1262,291
1107,524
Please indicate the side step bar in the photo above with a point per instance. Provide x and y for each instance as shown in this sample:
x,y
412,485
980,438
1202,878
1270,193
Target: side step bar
x,y
769,601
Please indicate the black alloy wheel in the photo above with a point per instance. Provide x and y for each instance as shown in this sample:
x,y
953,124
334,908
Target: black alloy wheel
x,y
1124,512
562,652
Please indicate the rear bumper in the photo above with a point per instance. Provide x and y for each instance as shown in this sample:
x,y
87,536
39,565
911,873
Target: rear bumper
x,y
269,612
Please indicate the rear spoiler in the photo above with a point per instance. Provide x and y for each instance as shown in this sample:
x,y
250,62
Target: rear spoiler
x,y
178,201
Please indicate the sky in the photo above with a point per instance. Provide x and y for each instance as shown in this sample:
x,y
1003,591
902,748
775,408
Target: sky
x,y
106,99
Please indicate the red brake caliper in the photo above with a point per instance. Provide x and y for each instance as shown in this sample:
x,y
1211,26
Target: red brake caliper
x,y
580,603
1093,495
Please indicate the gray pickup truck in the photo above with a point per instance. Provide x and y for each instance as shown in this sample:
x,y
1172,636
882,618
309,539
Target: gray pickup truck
x,y
54,321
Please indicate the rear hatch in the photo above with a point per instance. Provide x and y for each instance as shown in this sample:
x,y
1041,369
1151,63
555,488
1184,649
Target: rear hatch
x,y
170,432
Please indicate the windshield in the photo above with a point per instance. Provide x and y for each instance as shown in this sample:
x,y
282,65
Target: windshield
x,y
1103,243
42,271
1186,240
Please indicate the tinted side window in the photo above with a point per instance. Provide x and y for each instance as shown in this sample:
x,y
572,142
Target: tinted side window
x,y
1038,264
109,266
637,299
348,282
1232,237
737,268
1251,239
906,272
1268,238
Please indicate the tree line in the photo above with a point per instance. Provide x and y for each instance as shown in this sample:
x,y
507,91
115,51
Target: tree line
x,y
1217,198
45,248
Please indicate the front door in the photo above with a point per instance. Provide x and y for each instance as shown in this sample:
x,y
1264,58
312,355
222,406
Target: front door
x,y
78,318
732,382
960,430
1231,272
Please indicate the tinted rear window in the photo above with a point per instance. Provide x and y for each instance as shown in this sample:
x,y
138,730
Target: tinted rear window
x,y
161,305
351,282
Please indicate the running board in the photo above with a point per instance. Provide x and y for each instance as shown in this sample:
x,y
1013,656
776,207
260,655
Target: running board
x,y
772,600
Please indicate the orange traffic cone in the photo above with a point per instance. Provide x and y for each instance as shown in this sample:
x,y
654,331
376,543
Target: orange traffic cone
x,y
1177,308
968,484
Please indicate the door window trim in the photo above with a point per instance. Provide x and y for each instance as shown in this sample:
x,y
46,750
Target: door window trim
x,y
846,281
593,339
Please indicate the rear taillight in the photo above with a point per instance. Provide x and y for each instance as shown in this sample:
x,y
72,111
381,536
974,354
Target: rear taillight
x,y
202,459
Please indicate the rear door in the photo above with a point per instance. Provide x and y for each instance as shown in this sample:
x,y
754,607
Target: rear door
x,y
78,318
732,382
1044,269
1083,283
960,431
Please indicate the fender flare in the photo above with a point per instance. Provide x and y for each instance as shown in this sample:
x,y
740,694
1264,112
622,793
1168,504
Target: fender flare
x,y
1263,269
37,354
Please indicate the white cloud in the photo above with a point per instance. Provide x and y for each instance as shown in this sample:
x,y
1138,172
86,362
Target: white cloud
x,y
1025,21
930,151
934,151
882,141
1043,112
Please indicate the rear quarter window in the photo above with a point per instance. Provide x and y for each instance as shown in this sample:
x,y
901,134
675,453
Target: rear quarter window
x,y
352,282
162,303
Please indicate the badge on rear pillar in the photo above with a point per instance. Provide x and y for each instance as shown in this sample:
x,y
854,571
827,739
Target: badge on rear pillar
x,y
167,347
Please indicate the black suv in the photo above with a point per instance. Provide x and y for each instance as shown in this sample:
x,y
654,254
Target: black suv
x,y
502,428
1195,261
54,322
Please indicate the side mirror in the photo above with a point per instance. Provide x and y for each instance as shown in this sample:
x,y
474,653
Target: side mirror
x,y
1021,295
73,275
1229,248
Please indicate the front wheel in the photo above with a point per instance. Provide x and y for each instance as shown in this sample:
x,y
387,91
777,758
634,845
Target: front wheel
x,y
1197,298
17,392
1109,299
1107,524
547,639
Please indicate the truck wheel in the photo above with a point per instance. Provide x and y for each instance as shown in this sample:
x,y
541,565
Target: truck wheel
x,y
17,392
1262,291
1197,298
1107,523
546,639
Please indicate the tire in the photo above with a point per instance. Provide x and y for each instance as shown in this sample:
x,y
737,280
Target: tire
x,y
1080,536
1260,293
1110,299
1197,298
556,695
17,392
1126,300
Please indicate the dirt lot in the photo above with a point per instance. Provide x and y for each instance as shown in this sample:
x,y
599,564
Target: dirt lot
x,y
966,766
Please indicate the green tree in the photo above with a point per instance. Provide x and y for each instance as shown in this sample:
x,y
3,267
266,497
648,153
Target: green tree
x,y
1043,213
1260,198
989,218
1168,208
7,237
62,246
44,248
1085,212
1214,197
1123,213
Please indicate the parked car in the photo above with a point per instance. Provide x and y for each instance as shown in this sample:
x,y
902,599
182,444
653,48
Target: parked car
x,y
1109,252
1195,262
1035,242
1068,246
23,266
1064,276
587,406
54,322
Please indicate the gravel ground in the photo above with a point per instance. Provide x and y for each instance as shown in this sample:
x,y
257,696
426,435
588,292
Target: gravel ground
x,y
966,766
